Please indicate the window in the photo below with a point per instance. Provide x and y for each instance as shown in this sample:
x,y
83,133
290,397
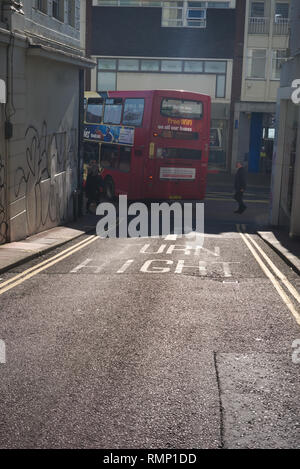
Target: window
x,y
133,112
113,157
106,81
42,5
113,111
172,14
125,159
171,65
215,138
220,86
150,65
107,64
94,111
281,10
278,58
71,13
193,66
128,65
107,69
181,108
256,63
90,152
257,10
58,9
109,157
184,14
160,3
215,67
195,16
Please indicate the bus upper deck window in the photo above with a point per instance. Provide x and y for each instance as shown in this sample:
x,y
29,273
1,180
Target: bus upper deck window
x,y
113,111
94,111
133,112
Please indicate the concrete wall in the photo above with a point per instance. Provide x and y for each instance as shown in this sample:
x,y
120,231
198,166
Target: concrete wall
x,y
137,32
39,163
285,206
262,90
199,83
3,210
43,151
44,25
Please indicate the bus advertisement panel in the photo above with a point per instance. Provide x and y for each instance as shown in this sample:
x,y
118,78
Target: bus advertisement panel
x,y
111,134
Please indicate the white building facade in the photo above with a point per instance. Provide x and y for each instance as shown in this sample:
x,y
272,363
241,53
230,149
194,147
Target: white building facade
x,y
42,57
267,26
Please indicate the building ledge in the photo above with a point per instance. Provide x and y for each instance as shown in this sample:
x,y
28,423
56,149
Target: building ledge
x,y
39,50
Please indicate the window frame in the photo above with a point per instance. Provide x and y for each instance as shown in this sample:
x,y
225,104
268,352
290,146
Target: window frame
x,y
182,117
128,70
71,13
248,76
122,149
218,76
61,10
112,72
251,12
132,125
121,102
277,14
89,101
111,148
272,78
42,6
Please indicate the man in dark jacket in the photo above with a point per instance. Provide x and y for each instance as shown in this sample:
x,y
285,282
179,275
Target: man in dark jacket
x,y
93,184
240,186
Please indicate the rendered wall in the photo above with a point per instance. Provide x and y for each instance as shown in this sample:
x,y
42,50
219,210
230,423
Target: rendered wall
x,y
3,211
43,151
205,84
43,25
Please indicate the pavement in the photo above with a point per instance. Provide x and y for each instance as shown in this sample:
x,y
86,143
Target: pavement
x,y
258,180
18,252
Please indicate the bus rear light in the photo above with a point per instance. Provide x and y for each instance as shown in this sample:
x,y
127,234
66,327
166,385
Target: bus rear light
x,y
155,134
150,177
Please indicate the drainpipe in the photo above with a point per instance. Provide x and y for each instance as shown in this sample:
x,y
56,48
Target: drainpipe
x,y
78,196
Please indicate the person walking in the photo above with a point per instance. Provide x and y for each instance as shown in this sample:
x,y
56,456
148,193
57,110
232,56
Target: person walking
x,y
240,186
93,184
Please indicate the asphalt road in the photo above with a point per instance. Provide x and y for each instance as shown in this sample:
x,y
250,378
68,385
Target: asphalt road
x,y
152,343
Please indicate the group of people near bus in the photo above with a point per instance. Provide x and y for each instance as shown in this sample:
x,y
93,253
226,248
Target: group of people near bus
x,y
94,184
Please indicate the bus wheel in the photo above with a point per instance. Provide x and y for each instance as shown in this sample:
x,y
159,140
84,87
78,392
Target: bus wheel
x,y
109,189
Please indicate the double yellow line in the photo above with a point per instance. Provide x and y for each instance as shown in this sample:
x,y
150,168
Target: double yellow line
x,y
36,269
255,249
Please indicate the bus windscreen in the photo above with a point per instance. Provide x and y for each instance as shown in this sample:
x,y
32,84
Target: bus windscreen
x,y
181,108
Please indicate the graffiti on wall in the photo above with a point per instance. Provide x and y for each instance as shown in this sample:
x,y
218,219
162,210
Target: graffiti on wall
x,y
47,177
3,218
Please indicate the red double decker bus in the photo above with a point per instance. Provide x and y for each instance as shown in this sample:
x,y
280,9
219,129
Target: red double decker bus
x,y
149,144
